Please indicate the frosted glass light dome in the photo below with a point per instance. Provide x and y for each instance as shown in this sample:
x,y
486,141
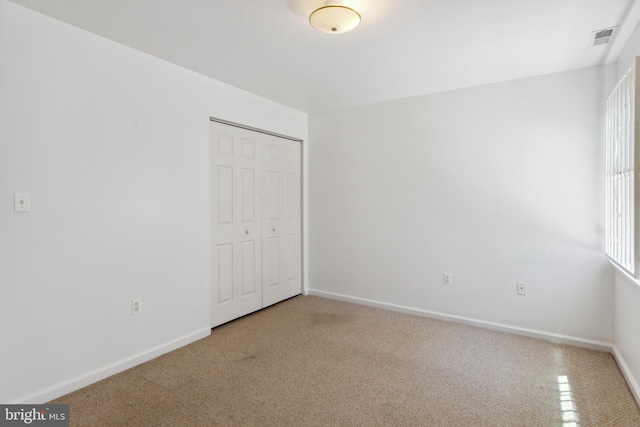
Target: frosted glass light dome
x,y
334,18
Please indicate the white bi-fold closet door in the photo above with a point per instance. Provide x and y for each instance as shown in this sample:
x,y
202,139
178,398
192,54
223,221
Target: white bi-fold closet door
x,y
255,223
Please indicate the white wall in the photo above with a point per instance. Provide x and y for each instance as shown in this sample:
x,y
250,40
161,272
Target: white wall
x,y
113,147
627,290
494,184
626,337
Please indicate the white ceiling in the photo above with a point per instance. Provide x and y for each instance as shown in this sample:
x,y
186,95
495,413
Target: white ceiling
x,y
402,48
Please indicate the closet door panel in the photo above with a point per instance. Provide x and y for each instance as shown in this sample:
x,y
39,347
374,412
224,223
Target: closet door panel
x,y
223,248
248,233
292,274
281,193
272,222
273,196
271,268
236,261
224,277
248,268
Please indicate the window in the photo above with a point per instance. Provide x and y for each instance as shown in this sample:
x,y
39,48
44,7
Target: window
x,y
620,240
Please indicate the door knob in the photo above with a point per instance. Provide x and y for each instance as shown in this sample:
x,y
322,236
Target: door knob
x,y
246,231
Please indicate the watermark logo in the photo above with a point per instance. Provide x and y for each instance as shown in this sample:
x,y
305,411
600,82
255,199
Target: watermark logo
x,y
34,415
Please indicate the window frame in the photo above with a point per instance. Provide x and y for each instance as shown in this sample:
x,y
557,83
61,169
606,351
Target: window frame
x,y
621,184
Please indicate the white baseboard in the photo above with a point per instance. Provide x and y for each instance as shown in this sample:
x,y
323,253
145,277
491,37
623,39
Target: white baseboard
x,y
531,333
626,372
66,387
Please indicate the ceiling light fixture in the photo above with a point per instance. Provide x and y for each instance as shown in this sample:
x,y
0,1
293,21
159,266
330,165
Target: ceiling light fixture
x,y
334,18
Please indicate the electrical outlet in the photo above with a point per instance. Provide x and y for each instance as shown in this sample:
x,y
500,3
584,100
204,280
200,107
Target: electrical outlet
x,y
136,306
447,279
521,288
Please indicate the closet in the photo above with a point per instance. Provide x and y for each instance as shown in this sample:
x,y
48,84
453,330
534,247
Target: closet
x,y
256,253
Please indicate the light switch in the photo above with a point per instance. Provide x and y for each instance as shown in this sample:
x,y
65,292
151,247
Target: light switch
x,y
22,202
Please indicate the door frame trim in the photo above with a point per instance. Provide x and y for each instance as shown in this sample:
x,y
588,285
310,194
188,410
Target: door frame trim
x,y
241,126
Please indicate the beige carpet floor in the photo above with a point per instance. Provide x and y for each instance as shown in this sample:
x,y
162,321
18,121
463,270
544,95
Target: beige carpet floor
x,y
315,362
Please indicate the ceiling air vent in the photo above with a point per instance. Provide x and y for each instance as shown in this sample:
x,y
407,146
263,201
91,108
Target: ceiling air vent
x,y
602,36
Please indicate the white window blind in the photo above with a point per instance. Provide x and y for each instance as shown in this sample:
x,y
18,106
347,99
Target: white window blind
x,y
620,240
